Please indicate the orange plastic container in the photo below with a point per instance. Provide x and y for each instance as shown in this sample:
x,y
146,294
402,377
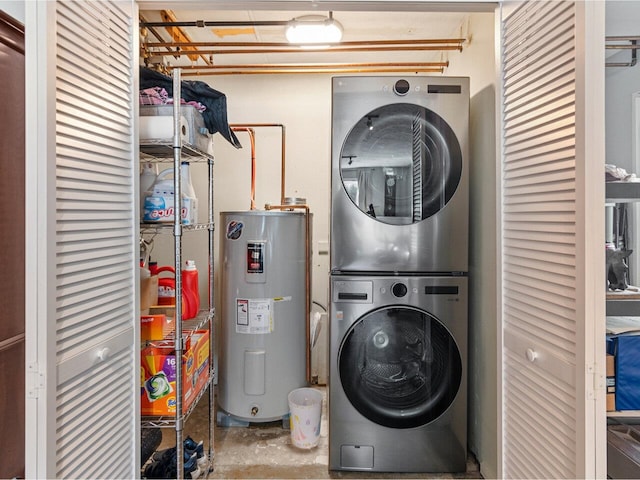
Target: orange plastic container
x,y
190,289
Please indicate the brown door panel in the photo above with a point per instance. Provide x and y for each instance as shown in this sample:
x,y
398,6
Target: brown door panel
x,y
12,253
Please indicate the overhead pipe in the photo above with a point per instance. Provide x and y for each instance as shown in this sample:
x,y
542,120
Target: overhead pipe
x,y
226,23
159,37
179,35
210,23
322,65
235,71
318,66
322,49
443,42
222,48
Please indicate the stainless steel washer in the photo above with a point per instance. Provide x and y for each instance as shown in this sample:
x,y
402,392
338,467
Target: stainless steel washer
x,y
400,167
398,381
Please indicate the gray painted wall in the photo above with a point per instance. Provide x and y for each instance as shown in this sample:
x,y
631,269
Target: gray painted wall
x,y
15,8
621,83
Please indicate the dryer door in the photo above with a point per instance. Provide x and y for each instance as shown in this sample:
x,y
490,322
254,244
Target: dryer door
x,y
400,367
401,163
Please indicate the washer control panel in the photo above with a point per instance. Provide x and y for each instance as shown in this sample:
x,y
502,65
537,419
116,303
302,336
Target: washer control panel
x,y
401,290
352,291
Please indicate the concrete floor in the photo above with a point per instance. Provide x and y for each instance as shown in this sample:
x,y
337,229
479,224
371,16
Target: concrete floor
x,y
264,450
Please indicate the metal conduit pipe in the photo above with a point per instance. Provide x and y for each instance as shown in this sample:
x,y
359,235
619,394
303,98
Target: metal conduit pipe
x,y
282,149
307,276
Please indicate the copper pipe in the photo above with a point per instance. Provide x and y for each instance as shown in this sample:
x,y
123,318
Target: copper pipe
x,y
336,49
178,34
282,149
252,139
318,65
195,73
440,41
307,276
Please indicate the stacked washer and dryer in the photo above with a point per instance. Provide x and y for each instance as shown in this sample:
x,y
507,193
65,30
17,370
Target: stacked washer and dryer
x,y
399,263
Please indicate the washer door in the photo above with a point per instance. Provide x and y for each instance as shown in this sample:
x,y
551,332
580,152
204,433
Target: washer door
x,y
401,163
400,367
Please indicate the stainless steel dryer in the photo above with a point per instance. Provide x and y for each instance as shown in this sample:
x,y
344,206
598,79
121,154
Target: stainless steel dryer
x,y
400,167
398,381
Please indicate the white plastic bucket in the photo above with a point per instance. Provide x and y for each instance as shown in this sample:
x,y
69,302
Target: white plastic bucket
x,y
305,407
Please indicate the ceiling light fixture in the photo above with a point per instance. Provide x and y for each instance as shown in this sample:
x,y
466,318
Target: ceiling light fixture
x,y
314,29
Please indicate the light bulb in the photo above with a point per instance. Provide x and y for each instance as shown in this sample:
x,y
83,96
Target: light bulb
x,y
314,29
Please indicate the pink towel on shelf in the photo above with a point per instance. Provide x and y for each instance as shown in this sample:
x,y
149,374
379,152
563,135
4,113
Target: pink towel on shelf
x,y
153,96
159,96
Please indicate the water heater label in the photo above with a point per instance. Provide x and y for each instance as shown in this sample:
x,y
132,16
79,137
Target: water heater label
x,y
234,230
253,316
255,257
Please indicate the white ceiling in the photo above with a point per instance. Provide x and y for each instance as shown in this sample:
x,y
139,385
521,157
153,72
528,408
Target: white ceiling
x,y
358,26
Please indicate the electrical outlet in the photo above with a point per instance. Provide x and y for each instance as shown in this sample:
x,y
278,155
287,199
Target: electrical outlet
x,y
323,247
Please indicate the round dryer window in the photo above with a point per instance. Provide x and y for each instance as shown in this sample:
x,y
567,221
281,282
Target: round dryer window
x,y
400,367
401,163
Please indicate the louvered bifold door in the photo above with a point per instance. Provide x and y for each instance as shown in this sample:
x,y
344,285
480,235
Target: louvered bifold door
x,y
543,238
85,365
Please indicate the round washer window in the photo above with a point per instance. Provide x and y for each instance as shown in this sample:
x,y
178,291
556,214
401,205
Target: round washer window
x,y
400,367
401,163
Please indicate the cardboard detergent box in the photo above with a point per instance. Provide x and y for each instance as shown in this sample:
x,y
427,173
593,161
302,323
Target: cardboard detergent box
x,y
158,374
155,327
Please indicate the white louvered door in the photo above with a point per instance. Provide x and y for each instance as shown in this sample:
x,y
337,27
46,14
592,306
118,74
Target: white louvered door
x,y
553,415
82,350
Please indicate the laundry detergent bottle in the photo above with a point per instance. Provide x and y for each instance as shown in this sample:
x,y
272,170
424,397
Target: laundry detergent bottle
x,y
160,202
190,288
148,175
166,286
188,193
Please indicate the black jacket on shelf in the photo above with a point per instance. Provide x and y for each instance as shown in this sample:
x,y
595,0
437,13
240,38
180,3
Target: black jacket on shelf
x,y
215,116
